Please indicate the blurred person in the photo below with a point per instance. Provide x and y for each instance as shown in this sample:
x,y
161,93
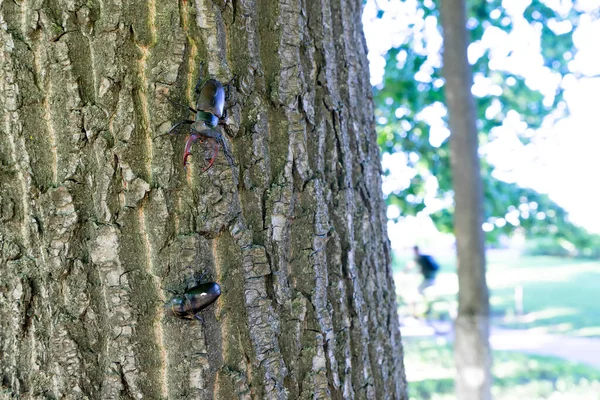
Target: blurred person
x,y
428,268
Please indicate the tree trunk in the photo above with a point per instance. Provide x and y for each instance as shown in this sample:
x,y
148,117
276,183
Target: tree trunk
x,y
100,222
471,347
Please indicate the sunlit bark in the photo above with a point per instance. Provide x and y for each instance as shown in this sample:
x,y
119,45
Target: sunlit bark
x,y
100,221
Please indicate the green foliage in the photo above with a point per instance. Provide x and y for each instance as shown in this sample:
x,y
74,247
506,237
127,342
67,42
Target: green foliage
x,y
549,246
413,84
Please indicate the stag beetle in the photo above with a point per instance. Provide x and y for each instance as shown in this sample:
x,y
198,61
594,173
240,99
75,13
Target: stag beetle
x,y
210,105
189,304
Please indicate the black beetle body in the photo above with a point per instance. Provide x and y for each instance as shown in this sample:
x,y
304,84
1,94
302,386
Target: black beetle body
x,y
194,300
210,106
211,99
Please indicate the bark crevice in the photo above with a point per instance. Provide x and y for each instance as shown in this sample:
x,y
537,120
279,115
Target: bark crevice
x,y
99,220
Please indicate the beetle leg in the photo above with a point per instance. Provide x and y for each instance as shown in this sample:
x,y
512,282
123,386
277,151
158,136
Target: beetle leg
x,y
188,305
227,87
213,158
210,133
227,152
173,310
199,317
177,125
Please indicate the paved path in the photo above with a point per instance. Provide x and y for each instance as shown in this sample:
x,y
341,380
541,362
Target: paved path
x,y
578,349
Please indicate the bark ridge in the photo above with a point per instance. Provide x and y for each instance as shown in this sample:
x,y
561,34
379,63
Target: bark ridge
x,y
100,223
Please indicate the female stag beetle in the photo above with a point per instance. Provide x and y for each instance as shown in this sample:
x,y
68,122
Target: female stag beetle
x,y
189,304
209,110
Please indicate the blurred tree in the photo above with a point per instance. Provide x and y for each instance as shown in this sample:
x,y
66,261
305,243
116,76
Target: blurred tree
x,y
471,345
412,91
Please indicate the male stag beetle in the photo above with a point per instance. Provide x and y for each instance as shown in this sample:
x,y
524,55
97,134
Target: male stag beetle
x,y
189,304
210,105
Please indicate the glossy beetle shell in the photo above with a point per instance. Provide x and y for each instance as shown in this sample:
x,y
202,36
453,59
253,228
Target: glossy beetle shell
x,y
194,300
212,98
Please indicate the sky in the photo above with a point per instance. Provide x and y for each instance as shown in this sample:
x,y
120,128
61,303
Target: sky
x,y
563,157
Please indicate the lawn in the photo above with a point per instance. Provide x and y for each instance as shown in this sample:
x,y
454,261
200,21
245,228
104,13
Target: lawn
x,y
430,373
559,295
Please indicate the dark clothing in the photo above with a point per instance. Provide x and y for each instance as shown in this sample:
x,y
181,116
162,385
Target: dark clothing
x,y
428,266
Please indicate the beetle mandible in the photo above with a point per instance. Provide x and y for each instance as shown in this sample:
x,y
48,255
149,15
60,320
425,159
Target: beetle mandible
x,y
189,304
210,106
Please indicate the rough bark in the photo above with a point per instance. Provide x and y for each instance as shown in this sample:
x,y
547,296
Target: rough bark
x,y
99,220
471,348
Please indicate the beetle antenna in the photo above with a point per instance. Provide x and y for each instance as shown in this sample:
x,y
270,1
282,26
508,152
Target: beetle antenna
x,y
201,278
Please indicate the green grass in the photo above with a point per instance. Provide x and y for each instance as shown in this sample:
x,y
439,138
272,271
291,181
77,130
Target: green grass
x,y
560,295
430,373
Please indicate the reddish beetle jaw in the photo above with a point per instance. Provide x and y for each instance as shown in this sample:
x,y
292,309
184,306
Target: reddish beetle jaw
x,y
209,109
188,147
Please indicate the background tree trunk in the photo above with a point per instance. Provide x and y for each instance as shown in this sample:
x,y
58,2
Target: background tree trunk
x,y
471,347
99,220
